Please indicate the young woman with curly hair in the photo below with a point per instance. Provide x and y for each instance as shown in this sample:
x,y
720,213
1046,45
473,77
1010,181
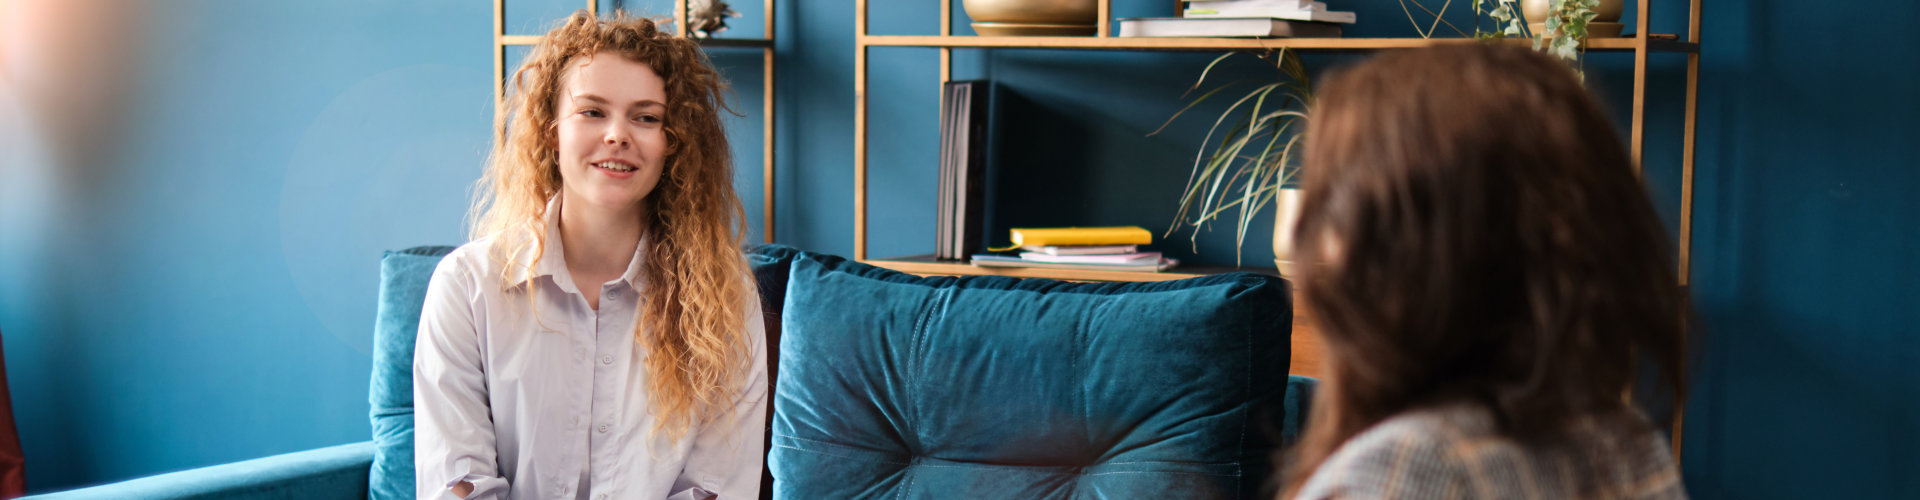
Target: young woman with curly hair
x,y
599,337
1491,279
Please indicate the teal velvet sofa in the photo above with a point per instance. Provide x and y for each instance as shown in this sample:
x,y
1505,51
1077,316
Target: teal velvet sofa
x,y
903,386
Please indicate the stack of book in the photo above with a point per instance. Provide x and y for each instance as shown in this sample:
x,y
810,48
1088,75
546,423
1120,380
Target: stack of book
x,y
1083,248
1252,18
963,162
1297,10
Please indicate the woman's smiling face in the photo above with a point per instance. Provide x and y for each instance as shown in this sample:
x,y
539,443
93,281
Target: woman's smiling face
x,y
612,139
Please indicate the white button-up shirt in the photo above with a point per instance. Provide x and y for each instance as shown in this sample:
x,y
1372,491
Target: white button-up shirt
x,y
549,399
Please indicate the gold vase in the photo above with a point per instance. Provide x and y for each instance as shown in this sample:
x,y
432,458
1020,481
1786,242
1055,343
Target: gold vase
x,y
1033,17
1286,215
1605,24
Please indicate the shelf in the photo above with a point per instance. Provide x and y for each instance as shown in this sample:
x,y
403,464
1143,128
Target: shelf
x,y
719,43
1307,352
502,40
1314,44
735,43
926,265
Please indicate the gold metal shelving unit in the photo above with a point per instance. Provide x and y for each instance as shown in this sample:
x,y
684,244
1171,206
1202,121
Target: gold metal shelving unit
x,y
501,40
1640,46
1306,358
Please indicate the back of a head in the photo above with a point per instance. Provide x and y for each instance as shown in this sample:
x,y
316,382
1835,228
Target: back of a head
x,y
1481,237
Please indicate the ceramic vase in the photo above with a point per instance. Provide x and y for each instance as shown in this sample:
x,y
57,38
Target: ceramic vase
x,y
1606,23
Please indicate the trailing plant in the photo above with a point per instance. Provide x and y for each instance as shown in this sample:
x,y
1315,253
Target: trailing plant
x,y
1566,25
1504,16
1251,150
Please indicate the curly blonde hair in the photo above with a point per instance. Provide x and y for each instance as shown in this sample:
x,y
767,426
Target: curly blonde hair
x,y
693,317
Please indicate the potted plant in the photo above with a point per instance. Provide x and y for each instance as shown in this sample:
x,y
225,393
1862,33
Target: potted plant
x,y
1250,157
1581,19
1565,25
1560,27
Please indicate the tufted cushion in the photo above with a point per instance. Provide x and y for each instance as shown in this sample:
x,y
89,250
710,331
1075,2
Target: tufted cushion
x,y
897,386
403,289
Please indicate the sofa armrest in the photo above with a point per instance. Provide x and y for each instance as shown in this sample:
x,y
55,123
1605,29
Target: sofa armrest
x,y
332,472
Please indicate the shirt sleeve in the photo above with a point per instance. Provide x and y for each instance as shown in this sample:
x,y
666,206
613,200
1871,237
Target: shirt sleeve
x,y
453,429
729,452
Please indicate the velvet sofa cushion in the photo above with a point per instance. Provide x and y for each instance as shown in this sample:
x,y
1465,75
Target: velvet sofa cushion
x,y
403,291
898,386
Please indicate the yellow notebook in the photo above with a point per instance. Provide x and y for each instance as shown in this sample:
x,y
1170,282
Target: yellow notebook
x,y
1063,236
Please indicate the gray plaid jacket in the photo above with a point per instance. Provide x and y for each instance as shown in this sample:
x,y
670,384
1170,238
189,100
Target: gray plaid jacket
x,y
1453,452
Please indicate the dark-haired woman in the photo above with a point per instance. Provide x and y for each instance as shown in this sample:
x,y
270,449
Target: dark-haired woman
x,y
1490,277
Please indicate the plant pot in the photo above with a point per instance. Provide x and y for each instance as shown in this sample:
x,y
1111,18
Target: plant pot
x,y
1606,24
1286,215
1033,17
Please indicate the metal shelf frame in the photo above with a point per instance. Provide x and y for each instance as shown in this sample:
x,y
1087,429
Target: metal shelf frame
x,y
502,40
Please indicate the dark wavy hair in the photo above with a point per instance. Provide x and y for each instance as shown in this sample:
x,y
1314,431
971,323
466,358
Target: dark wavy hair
x,y
1481,238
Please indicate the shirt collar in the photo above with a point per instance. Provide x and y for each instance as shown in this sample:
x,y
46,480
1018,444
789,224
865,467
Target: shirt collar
x,y
553,262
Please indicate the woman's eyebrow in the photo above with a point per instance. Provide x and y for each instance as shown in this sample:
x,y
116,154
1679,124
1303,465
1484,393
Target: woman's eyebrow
x,y
594,99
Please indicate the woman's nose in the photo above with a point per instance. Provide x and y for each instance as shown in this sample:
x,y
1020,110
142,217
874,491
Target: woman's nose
x,y
618,136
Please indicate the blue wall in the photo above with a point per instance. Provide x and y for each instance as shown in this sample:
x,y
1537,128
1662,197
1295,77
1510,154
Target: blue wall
x,y
199,288
205,290
206,294
1808,264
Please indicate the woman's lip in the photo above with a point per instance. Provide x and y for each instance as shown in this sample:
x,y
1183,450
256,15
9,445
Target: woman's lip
x,y
613,174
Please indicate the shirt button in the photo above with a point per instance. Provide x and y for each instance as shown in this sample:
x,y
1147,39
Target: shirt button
x,y
606,360
603,427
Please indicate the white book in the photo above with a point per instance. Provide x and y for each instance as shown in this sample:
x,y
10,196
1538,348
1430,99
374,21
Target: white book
x,y
1238,7
989,260
1317,15
1081,249
1225,27
1120,258
1211,4
1294,3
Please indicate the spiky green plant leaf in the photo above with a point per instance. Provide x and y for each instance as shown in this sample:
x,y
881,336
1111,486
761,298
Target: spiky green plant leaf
x,y
1248,153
